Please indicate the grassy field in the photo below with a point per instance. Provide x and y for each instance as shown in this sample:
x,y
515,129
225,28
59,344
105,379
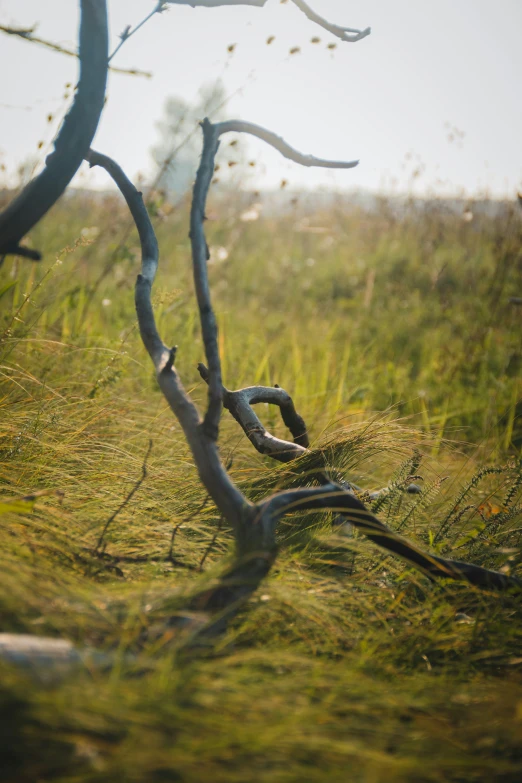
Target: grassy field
x,y
395,333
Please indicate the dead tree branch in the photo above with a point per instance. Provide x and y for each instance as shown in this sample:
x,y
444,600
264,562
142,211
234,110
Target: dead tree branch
x,y
74,138
255,543
229,500
217,3
347,34
238,126
254,526
239,404
128,32
340,496
334,497
28,35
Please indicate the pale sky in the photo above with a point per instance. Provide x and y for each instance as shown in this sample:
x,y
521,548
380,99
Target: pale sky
x,y
436,87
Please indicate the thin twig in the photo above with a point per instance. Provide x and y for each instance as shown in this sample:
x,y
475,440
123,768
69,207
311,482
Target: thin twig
x,y
211,545
175,529
136,559
27,35
128,32
346,34
127,499
227,497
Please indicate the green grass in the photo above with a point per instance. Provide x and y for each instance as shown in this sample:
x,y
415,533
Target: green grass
x,y
395,336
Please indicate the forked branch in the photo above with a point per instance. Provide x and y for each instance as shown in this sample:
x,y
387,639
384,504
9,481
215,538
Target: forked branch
x,y
254,525
239,404
211,134
129,31
229,500
329,495
255,543
347,34
341,497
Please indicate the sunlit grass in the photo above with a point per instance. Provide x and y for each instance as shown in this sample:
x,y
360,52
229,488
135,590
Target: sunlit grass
x,y
395,335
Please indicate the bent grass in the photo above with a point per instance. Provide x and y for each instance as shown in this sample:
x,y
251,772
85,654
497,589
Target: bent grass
x,y
346,665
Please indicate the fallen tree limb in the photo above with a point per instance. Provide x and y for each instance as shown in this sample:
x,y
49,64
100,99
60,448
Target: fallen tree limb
x,y
341,496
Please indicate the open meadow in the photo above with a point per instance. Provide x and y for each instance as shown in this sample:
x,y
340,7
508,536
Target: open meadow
x,y
397,331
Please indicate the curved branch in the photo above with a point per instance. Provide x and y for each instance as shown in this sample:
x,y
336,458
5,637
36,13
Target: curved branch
x,y
239,404
128,32
229,500
334,497
238,126
341,497
347,34
24,252
200,255
75,135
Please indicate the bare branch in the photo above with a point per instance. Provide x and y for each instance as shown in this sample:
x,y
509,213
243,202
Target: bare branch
x,y
239,404
28,35
75,135
211,134
347,34
200,257
238,126
228,499
128,32
334,497
216,3
127,500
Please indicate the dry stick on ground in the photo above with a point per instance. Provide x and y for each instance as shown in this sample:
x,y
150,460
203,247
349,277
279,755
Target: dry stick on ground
x,y
254,525
127,500
170,557
211,545
74,138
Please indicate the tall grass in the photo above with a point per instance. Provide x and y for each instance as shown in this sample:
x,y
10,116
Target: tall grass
x,y
394,332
